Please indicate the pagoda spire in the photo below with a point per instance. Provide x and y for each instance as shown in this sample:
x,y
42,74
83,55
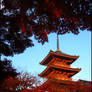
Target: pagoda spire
x,y
57,43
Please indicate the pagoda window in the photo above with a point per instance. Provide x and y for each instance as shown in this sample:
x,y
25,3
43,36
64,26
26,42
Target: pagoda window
x,y
60,64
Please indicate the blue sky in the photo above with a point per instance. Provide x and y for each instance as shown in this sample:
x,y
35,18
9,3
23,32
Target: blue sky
x,y
69,43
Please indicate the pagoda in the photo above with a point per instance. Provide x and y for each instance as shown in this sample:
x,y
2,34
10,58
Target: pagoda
x,y
59,70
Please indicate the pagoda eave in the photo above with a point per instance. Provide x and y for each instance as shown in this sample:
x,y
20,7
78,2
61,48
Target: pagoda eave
x,y
65,68
49,69
54,54
51,82
62,81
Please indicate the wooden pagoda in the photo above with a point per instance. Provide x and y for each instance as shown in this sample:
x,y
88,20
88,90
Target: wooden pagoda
x,y
58,69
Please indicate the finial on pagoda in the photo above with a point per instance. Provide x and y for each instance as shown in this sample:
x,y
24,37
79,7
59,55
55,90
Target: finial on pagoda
x,y
57,43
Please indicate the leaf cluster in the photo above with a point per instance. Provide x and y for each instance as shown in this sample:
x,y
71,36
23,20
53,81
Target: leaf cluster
x,y
6,70
21,19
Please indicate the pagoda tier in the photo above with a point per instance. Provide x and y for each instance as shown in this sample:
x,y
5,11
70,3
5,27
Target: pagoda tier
x,y
54,85
50,81
60,57
58,72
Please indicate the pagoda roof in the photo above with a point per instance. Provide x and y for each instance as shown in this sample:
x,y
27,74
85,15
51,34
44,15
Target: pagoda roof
x,y
55,81
61,81
64,68
50,68
58,54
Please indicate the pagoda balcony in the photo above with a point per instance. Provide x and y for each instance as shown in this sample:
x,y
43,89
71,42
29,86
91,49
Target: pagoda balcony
x,y
60,78
61,64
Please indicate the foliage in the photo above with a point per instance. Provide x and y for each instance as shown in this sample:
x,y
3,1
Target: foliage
x,y
12,40
78,86
9,85
81,86
20,19
27,81
24,82
6,70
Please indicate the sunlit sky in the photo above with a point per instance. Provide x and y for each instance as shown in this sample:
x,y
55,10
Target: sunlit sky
x,y
71,44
